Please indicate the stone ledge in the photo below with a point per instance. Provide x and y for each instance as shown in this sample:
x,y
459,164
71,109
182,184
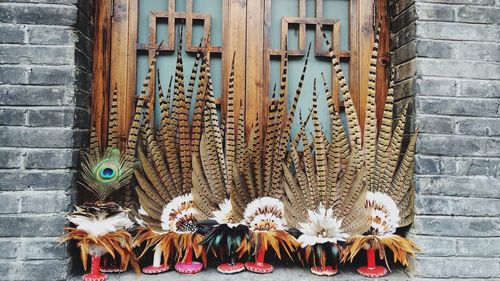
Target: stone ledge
x,y
280,274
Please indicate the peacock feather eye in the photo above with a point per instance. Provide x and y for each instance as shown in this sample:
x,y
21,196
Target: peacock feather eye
x,y
108,170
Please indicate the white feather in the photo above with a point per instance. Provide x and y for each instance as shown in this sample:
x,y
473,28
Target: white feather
x,y
322,227
265,211
384,213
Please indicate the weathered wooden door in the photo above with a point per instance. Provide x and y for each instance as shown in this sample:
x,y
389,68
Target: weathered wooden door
x,y
256,30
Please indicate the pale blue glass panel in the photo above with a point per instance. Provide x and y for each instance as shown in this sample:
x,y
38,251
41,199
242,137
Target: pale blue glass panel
x,y
339,9
281,8
332,9
214,8
167,60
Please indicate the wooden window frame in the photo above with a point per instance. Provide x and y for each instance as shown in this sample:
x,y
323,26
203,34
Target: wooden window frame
x,y
116,39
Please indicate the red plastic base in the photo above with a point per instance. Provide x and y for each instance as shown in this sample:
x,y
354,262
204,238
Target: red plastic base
x,y
154,269
261,268
227,268
188,268
94,277
326,271
372,272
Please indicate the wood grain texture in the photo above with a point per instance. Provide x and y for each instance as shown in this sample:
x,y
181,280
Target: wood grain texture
x,y
101,70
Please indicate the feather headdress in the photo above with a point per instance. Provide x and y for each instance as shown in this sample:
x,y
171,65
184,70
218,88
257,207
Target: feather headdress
x,y
99,229
164,175
373,165
213,185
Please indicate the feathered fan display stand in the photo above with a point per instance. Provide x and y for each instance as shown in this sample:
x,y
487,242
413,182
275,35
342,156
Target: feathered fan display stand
x,y
375,155
164,177
100,228
324,191
213,186
238,185
258,179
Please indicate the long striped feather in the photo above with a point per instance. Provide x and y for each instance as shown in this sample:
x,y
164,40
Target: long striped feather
x,y
230,126
287,127
182,109
319,147
113,120
352,118
370,133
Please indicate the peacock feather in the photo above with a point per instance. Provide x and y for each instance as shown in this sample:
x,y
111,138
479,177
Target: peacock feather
x,y
109,169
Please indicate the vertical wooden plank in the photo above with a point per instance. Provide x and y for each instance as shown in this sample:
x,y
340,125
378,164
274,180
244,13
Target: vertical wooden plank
x,y
234,40
267,64
255,63
101,69
353,47
119,66
361,39
383,63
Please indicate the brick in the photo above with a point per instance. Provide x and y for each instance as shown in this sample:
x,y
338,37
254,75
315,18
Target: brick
x,y
459,106
471,167
404,53
34,270
457,31
405,70
37,55
397,7
435,246
40,137
487,89
456,226
38,14
404,89
12,116
51,159
51,117
457,145
435,49
478,247
13,75
10,158
479,126
427,165
404,19
10,203
12,34
439,205
435,12
458,68
436,124
51,75
484,186
45,201
404,36
8,248
51,35
42,249
31,225
35,95
39,180
474,14
457,267
428,86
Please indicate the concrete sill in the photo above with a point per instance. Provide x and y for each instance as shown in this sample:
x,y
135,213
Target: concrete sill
x,y
279,274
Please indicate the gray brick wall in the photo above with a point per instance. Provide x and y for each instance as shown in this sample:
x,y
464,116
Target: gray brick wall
x,y
45,69
449,53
